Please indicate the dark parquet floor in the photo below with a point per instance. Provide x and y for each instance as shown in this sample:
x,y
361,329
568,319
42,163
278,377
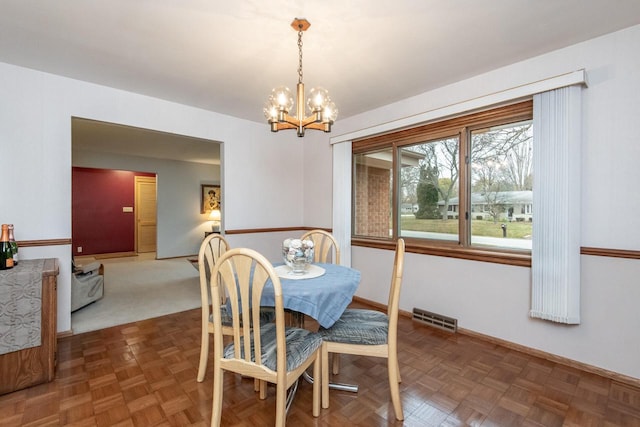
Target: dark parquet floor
x,y
144,374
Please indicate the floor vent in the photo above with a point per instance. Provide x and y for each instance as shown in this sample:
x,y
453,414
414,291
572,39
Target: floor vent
x,y
437,320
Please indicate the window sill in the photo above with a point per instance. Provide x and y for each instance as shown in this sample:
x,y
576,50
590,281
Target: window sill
x,y
515,258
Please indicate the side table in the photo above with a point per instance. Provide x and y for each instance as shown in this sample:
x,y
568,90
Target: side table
x,y
25,364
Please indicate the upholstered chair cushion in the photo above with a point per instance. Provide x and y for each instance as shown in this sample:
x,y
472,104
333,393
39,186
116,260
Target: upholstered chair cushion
x,y
358,326
301,343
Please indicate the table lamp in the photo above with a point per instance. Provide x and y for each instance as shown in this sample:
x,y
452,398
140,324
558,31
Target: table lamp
x,y
215,217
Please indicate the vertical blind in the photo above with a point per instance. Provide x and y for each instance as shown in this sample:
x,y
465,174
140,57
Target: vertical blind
x,y
555,255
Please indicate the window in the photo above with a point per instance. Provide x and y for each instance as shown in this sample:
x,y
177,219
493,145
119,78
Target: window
x,y
429,174
374,181
461,187
501,172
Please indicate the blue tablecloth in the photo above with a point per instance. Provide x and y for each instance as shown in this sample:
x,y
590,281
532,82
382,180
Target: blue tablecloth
x,y
323,298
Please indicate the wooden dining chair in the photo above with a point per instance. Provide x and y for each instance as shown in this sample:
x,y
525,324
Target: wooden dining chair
x,y
267,352
326,247
211,249
369,333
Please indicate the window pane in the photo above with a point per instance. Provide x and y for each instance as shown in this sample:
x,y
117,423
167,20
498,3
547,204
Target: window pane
x,y
428,192
502,186
373,182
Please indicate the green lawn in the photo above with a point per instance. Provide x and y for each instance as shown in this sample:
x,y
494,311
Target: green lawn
x,y
517,230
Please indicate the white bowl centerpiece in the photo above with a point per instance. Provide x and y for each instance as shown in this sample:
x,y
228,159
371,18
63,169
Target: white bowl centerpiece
x,y
297,254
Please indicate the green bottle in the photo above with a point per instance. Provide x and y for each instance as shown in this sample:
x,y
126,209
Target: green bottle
x,y
14,245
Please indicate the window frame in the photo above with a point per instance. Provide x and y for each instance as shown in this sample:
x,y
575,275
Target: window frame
x,y
459,126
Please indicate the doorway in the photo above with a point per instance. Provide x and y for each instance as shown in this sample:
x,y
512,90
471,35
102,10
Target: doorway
x,y
146,214
180,164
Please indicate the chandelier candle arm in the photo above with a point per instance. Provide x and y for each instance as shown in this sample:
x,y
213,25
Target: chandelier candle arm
x,y
322,110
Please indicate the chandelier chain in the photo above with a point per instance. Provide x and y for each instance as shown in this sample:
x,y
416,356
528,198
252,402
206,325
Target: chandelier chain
x,y
300,56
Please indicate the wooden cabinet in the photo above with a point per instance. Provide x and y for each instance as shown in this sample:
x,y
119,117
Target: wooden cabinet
x,y
23,368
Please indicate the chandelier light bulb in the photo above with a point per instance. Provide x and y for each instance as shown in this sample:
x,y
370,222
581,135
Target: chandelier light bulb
x,y
283,98
330,113
318,98
270,110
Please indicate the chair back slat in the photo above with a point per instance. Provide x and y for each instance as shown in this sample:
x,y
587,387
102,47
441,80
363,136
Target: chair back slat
x,y
326,247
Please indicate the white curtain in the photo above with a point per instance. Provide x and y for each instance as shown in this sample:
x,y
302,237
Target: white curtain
x,y
555,256
342,199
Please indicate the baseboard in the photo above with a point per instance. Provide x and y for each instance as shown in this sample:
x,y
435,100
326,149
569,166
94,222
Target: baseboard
x,y
114,255
614,376
381,307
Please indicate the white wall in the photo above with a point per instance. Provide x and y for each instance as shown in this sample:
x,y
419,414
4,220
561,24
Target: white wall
x,y
268,244
259,168
494,299
180,225
318,181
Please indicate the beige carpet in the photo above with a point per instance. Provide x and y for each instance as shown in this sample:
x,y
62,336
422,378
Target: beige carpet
x,y
138,289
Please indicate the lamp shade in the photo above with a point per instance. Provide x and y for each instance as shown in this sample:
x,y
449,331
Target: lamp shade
x,y
215,215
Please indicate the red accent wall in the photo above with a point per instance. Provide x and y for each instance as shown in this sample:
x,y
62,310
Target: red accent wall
x,y
98,223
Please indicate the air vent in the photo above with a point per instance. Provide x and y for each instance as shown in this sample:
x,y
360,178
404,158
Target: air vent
x,y
437,320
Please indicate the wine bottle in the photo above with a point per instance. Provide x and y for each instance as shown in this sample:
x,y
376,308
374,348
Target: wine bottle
x,y
6,254
14,245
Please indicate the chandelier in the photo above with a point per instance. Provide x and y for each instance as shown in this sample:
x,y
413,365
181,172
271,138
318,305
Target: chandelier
x,y
322,111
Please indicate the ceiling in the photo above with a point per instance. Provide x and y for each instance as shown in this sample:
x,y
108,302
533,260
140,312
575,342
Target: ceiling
x,y
101,137
226,56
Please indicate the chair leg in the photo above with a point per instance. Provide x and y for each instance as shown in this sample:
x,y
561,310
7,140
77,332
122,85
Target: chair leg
x,y
216,415
281,404
394,379
335,357
262,386
317,381
204,354
324,363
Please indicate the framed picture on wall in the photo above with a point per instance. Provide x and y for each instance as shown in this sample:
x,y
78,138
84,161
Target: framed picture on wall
x,y
211,197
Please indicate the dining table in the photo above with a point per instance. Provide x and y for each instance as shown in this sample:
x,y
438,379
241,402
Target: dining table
x,y
322,293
